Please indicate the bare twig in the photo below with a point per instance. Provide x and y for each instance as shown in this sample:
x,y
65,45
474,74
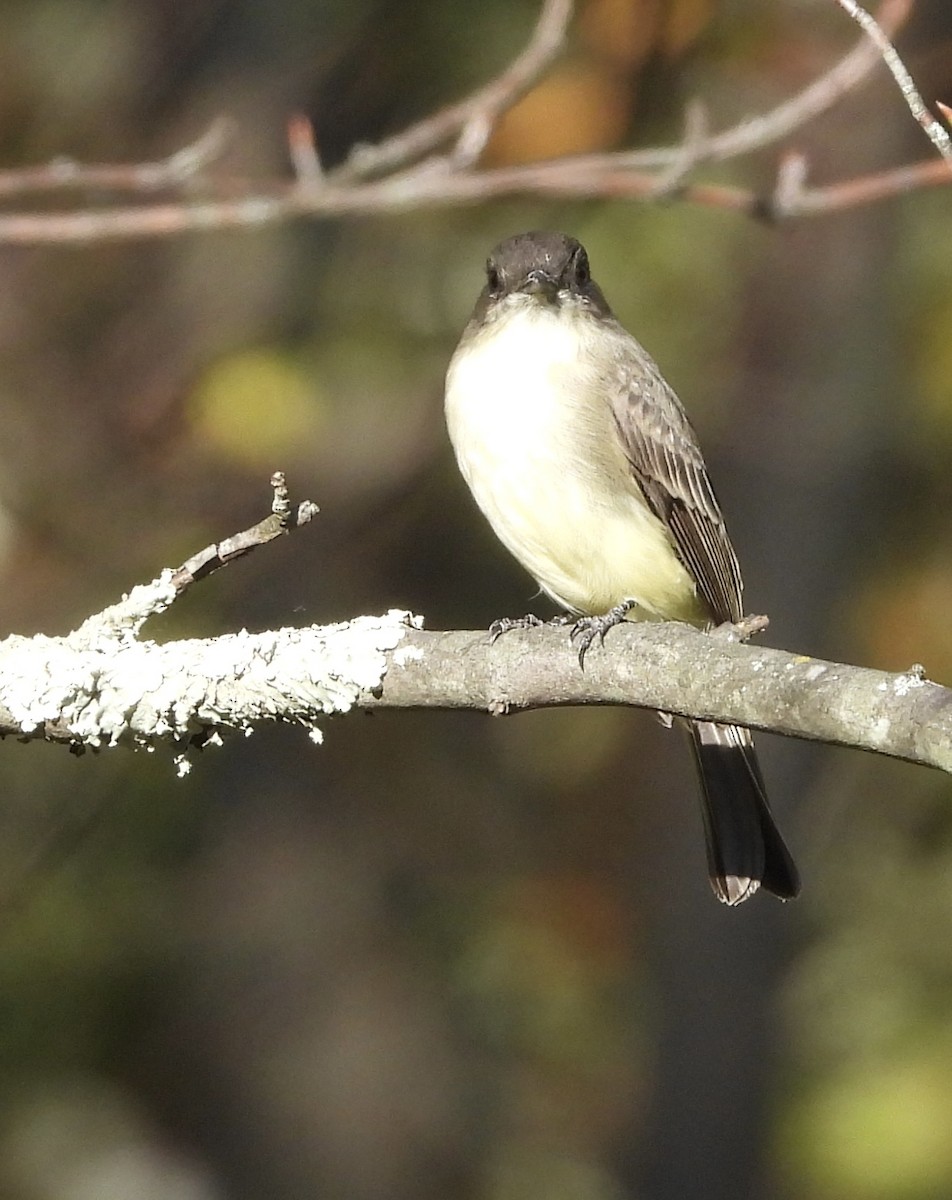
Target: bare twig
x,y
302,147
937,135
363,186
669,181
440,190
482,107
801,201
283,519
66,174
124,620
471,121
767,129
790,187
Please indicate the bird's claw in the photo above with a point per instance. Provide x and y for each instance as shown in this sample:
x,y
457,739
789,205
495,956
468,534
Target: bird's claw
x,y
587,629
529,621
584,629
506,624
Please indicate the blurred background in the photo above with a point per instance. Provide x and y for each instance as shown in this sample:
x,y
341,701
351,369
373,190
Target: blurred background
x,y
442,955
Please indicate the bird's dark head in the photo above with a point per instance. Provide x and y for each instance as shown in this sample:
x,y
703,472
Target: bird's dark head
x,y
549,268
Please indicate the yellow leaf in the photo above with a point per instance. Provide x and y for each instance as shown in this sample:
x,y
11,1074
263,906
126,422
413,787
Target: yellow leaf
x,y
256,407
575,109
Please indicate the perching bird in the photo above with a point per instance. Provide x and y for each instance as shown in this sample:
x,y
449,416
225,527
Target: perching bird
x,y
585,463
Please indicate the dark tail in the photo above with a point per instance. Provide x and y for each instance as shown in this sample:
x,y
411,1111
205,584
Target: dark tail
x,y
744,848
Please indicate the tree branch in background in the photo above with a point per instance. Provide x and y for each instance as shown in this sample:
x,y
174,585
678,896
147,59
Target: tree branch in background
x,y
103,685
937,135
477,112
65,174
432,163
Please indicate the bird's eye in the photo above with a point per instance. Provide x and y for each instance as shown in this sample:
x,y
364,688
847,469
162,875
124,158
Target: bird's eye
x,y
493,277
583,274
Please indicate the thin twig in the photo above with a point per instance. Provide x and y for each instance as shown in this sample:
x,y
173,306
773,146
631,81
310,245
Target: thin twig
x,y
435,189
448,180
672,178
790,187
759,132
302,148
487,103
867,189
937,135
471,122
122,621
65,173
283,519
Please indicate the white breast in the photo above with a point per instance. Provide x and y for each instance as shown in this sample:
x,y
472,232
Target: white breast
x,y
529,415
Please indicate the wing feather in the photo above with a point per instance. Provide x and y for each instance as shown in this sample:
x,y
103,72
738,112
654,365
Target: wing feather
x,y
667,463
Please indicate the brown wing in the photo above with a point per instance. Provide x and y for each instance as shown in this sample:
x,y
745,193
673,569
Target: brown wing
x,y
666,461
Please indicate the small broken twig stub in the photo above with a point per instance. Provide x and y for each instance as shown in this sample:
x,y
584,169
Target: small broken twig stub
x,y
283,520
123,621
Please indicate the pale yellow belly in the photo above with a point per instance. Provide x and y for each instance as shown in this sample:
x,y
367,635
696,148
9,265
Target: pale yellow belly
x,y
550,476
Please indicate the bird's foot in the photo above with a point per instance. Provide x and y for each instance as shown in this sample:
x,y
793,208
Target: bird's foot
x,y
529,621
587,629
507,624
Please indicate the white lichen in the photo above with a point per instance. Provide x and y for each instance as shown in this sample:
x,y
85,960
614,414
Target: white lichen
x,y
104,686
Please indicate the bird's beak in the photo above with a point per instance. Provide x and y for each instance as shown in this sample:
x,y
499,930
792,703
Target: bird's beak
x,y
541,283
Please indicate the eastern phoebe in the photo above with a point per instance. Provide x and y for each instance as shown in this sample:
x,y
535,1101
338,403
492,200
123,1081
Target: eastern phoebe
x,y
588,470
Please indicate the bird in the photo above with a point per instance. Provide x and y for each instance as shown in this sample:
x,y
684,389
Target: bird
x,y
586,465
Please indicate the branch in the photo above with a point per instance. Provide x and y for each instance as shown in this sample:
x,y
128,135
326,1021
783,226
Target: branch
x,y
103,685
792,198
677,669
95,687
477,112
409,170
64,174
187,694
937,135
120,623
283,519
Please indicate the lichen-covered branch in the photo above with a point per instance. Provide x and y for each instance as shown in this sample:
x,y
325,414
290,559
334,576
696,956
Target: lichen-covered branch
x,y
126,691
105,685
119,690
